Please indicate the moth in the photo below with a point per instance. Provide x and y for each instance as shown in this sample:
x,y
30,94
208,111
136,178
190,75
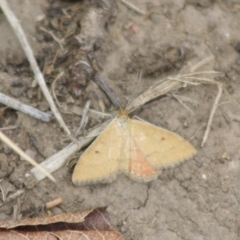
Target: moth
x,y
133,147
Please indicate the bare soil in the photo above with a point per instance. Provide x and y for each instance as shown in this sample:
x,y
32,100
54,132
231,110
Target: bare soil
x,y
198,199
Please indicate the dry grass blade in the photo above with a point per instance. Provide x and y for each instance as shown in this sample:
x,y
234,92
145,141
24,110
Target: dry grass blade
x,y
170,84
12,145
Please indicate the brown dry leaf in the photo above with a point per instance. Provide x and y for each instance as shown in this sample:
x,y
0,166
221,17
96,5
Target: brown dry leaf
x,y
68,234
65,217
88,225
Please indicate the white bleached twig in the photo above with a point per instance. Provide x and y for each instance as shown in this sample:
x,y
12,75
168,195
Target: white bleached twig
x,y
31,111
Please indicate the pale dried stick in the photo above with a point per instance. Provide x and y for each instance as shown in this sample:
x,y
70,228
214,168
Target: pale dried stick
x,y
12,145
29,53
154,92
53,203
31,111
165,86
134,8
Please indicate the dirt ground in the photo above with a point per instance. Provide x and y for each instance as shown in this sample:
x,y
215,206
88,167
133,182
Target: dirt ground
x,y
199,199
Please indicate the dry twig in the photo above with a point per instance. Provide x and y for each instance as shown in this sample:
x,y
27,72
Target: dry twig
x,y
54,203
31,111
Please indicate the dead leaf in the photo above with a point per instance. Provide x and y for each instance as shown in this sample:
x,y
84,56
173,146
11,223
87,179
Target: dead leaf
x,y
68,234
88,225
